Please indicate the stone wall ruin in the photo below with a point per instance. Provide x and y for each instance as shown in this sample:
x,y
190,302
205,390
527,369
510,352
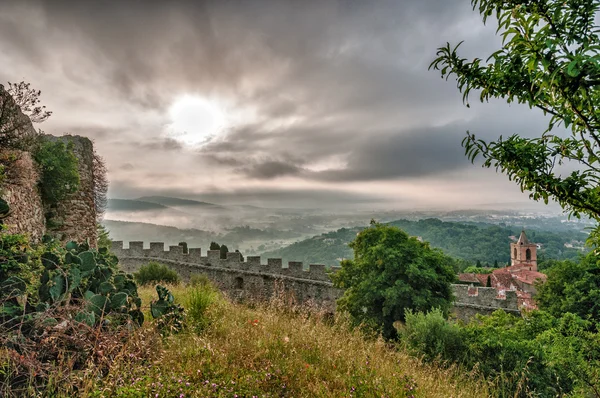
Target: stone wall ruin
x,y
74,218
252,279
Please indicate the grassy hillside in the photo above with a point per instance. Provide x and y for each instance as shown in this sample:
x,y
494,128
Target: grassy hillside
x,y
271,351
471,242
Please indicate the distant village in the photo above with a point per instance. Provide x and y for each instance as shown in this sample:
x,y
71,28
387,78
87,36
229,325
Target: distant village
x,y
520,277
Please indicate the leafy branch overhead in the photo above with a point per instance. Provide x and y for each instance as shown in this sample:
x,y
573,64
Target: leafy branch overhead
x,y
549,60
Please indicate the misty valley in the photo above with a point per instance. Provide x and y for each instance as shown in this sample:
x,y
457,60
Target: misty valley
x,y
316,236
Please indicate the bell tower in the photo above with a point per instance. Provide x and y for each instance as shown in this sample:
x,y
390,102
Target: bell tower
x,y
523,254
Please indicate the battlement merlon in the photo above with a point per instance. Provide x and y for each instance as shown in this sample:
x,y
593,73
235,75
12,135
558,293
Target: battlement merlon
x,y
274,266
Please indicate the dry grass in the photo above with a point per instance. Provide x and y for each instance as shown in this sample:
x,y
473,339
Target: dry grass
x,y
274,350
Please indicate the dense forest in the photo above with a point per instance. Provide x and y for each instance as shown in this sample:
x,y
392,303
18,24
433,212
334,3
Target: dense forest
x,y
484,243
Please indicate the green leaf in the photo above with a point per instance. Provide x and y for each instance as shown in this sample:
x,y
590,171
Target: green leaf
x,y
158,308
106,287
71,258
572,69
71,246
58,287
50,260
88,261
74,279
99,304
118,301
87,317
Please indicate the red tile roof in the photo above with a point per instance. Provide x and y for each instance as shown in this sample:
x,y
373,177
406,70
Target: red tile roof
x,y
482,278
502,279
471,278
529,277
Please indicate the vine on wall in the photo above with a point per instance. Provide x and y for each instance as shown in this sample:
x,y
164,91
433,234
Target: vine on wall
x,y
59,171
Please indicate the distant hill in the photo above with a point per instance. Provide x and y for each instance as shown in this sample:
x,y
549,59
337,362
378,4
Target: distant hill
x,y
236,238
170,201
487,243
126,231
132,205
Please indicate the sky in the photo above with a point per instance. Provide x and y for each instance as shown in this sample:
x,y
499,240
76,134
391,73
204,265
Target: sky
x,y
281,103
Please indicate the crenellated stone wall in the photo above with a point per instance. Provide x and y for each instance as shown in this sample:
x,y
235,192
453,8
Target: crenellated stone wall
x,y
254,279
249,279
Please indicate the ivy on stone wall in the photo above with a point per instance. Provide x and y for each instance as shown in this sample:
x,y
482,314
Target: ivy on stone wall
x,y
59,170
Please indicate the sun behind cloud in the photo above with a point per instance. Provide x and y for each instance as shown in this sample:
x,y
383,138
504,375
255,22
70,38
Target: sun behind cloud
x,y
194,120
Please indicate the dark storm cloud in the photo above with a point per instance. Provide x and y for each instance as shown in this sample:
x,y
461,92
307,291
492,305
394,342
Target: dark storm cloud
x,y
393,156
344,46
340,83
270,169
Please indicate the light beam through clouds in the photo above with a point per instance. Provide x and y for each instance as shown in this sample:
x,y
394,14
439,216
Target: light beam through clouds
x,y
272,102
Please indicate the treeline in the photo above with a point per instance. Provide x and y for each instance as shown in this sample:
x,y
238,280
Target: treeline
x,y
487,244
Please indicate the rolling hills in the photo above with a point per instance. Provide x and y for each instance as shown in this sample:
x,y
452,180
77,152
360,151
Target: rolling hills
x,y
487,243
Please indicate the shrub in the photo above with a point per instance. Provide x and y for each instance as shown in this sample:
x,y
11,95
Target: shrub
x,y
431,336
200,298
184,246
155,272
224,250
199,280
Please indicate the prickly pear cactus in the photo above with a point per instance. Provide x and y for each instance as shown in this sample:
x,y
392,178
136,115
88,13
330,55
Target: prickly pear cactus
x,y
84,274
169,316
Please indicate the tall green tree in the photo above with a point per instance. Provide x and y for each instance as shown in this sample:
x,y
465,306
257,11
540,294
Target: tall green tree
x,y
392,272
572,287
549,60
224,250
